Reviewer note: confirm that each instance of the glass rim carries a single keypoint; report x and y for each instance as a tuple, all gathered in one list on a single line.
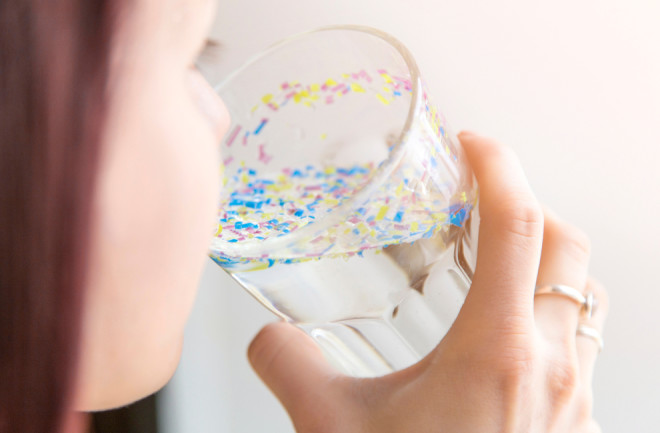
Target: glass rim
[(381, 173)]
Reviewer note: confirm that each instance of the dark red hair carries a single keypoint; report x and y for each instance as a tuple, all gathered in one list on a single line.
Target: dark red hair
[(54, 66)]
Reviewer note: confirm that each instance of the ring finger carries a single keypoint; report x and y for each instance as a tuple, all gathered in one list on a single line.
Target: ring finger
[(564, 260)]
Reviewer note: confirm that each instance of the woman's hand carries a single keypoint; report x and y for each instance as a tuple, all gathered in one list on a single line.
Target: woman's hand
[(510, 363)]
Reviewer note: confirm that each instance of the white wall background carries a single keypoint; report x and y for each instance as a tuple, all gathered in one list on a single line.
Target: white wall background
[(572, 85)]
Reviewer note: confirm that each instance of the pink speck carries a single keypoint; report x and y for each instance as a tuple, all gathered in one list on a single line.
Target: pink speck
[(366, 76), (228, 160), (263, 157), (233, 135)]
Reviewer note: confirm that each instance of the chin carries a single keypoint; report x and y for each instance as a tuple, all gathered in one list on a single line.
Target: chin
[(128, 388)]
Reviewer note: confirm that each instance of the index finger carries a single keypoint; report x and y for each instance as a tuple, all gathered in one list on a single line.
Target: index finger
[(510, 233)]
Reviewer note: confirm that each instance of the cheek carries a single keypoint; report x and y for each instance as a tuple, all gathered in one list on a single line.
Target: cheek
[(155, 209)]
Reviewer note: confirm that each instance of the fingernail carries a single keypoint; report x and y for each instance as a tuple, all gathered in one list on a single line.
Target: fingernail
[(466, 133)]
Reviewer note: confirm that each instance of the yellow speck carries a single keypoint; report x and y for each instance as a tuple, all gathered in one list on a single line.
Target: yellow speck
[(387, 78), (267, 98), (439, 216), (339, 93), (245, 179), (372, 233), (297, 98), (347, 231), (357, 88), (382, 212), (399, 190), (217, 233), (363, 228), (315, 88), (414, 226), (255, 108), (345, 76), (307, 103), (261, 266), (382, 99), (304, 94), (324, 136), (330, 170), (464, 197), (330, 82), (387, 89)]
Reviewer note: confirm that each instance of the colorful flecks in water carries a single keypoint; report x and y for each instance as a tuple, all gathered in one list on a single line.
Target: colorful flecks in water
[(266, 203), (275, 204)]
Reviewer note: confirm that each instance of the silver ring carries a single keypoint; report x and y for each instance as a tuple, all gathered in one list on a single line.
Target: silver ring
[(589, 332), (588, 302)]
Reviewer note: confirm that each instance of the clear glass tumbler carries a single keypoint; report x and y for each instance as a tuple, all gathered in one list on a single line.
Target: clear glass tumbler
[(348, 208)]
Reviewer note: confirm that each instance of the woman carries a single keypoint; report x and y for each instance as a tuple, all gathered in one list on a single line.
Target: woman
[(109, 156)]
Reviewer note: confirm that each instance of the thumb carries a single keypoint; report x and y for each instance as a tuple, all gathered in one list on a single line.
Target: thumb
[(292, 366)]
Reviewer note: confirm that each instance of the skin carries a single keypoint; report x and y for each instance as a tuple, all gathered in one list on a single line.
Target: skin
[(510, 363), (155, 204)]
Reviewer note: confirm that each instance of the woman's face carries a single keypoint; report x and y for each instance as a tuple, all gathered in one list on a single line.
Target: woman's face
[(155, 203)]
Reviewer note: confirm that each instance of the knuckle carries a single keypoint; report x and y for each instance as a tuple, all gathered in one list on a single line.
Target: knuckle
[(562, 380), (522, 215), (571, 239)]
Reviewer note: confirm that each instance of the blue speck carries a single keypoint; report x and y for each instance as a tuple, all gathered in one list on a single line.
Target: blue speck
[(398, 217), (260, 127)]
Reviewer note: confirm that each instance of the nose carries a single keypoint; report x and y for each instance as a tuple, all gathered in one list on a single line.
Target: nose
[(210, 104)]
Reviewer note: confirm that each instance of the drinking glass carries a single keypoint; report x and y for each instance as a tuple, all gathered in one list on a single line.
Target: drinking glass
[(348, 207)]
